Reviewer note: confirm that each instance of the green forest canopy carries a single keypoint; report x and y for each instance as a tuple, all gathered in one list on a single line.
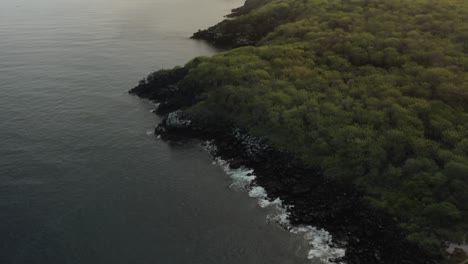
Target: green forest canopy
[(375, 92)]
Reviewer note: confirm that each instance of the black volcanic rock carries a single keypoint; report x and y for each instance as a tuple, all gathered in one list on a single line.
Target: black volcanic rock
[(160, 85), (369, 235)]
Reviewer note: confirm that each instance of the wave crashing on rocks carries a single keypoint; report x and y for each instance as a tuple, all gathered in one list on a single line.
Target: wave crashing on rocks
[(320, 241)]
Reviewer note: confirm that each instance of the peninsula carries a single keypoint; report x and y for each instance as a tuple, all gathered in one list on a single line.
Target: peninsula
[(354, 112)]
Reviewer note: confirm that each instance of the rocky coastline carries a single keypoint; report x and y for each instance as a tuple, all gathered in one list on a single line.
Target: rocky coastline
[(369, 235), (228, 34)]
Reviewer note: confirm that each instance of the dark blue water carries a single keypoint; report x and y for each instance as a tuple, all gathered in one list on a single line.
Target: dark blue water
[(81, 181)]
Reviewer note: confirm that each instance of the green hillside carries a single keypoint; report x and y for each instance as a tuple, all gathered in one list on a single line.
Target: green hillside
[(374, 92)]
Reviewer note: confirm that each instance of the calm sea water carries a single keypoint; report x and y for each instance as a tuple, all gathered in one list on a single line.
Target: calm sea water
[(81, 181)]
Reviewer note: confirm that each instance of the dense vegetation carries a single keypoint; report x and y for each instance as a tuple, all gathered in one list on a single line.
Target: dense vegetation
[(374, 92)]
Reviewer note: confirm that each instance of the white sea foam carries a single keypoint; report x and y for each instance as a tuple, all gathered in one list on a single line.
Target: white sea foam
[(258, 192), (321, 244), (149, 132), (241, 178), (320, 241)]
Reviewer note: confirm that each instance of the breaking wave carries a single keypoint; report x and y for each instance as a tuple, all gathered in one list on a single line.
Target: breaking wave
[(320, 241)]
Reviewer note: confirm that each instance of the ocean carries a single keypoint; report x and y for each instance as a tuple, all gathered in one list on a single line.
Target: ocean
[(83, 179)]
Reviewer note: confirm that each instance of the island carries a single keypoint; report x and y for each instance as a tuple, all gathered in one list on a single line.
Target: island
[(353, 112)]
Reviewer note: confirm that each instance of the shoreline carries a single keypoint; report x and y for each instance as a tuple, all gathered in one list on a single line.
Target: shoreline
[(368, 235), (319, 242)]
